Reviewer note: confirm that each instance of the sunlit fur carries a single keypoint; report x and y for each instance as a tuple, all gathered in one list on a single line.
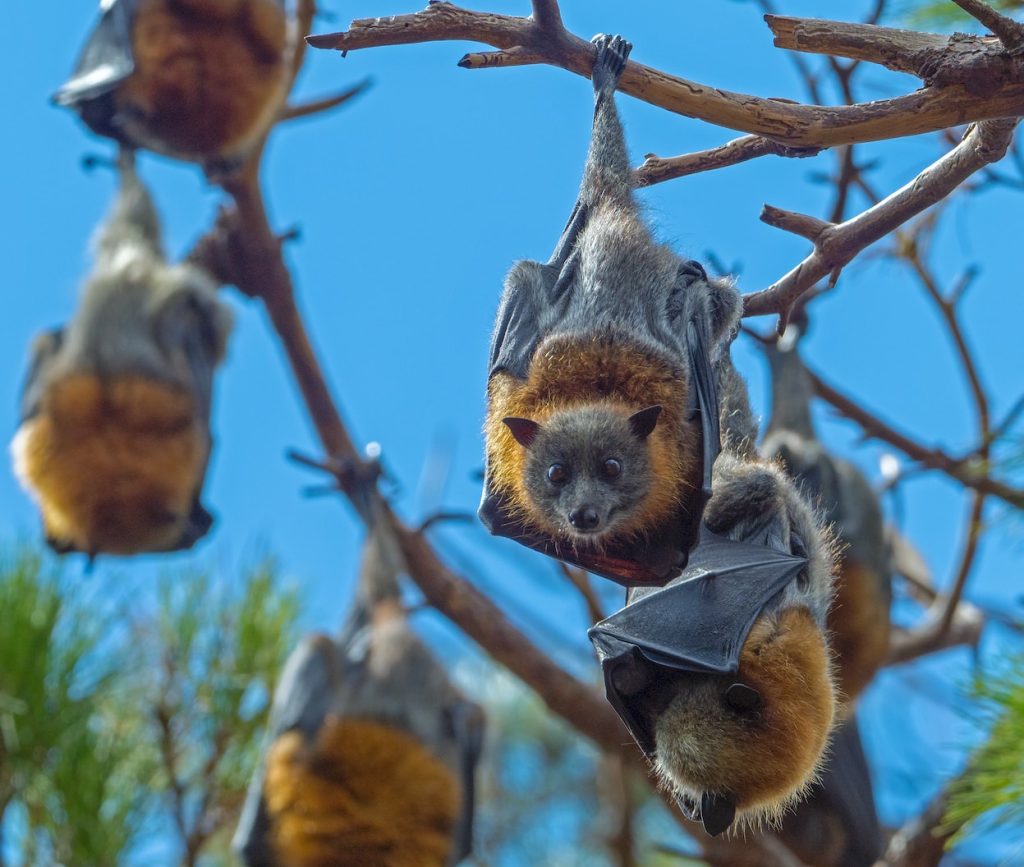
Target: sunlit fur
[(365, 795), (859, 625), (114, 466), (208, 74), (764, 761), (568, 373)]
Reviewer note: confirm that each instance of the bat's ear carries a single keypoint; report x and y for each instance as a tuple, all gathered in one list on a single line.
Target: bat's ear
[(524, 430), (643, 422)]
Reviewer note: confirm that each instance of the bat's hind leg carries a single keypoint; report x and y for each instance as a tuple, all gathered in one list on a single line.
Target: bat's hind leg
[(607, 174)]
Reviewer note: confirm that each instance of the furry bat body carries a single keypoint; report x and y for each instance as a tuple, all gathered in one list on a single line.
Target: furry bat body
[(601, 411), (859, 618), (371, 751), (192, 79), (114, 437)]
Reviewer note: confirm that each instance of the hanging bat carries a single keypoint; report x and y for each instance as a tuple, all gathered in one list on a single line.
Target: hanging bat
[(837, 826), (114, 438), (723, 677), (371, 752), (602, 414), (197, 80), (859, 618)]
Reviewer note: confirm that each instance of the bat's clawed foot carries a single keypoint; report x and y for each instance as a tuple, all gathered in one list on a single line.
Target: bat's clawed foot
[(612, 54)]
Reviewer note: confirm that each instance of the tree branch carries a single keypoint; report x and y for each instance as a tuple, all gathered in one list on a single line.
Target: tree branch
[(965, 94), (983, 143), (655, 169), (327, 103), (967, 472), (1010, 33)]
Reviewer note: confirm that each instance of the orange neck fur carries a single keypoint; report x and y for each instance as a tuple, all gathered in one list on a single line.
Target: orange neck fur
[(572, 372)]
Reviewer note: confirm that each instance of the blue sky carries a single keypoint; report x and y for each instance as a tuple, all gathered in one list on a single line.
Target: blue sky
[(412, 203)]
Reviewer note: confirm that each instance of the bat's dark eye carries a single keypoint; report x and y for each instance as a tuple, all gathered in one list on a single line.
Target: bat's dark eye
[(557, 474), (612, 468)]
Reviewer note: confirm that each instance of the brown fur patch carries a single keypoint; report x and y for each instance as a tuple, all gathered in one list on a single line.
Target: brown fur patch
[(568, 373), (859, 624), (113, 465), (787, 660), (366, 795), (205, 84), (766, 761)]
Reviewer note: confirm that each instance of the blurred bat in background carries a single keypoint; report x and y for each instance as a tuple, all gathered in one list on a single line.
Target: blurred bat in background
[(371, 751), (837, 826), (197, 80), (114, 438), (859, 617)]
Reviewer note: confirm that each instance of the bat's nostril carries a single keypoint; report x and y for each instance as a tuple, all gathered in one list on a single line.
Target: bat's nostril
[(585, 518)]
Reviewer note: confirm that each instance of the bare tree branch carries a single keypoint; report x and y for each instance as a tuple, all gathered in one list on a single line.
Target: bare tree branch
[(327, 103), (835, 246), (1010, 33), (656, 169), (968, 472), (962, 94)]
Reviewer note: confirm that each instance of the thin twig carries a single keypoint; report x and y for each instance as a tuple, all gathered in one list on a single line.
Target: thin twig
[(581, 581), (967, 472), (656, 169), (327, 103)]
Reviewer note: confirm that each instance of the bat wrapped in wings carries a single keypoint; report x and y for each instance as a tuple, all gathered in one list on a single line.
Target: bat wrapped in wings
[(371, 751), (602, 416), (723, 676), (859, 618), (197, 80), (114, 438)]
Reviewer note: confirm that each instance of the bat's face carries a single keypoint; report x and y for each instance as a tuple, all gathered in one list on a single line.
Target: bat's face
[(587, 469), (748, 744)]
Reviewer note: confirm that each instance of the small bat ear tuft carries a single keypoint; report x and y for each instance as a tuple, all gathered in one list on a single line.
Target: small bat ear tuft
[(643, 421), (523, 429)]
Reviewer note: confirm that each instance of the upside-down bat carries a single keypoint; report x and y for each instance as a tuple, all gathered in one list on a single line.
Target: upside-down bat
[(114, 438), (192, 79), (724, 676), (371, 751), (601, 408), (859, 617)]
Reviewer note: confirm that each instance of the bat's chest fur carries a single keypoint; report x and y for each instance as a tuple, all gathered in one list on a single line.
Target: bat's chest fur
[(363, 795), (201, 87), (572, 371), (114, 464)]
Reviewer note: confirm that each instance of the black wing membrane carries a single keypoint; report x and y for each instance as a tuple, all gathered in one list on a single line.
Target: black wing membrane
[(44, 351), (105, 62), (468, 727), (107, 58), (697, 624), (301, 702)]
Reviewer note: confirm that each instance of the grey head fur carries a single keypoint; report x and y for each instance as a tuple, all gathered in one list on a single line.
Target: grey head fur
[(587, 469)]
